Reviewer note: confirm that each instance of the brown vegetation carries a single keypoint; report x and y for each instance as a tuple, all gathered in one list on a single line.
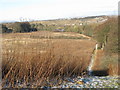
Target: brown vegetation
[(36, 61), (97, 61), (107, 36)]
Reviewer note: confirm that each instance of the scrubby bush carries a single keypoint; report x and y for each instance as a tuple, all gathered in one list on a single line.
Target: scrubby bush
[(18, 27), (88, 29), (21, 27), (5, 29), (37, 26)]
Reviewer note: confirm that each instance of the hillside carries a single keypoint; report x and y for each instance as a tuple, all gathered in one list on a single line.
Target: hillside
[(41, 53), (80, 25), (107, 36)]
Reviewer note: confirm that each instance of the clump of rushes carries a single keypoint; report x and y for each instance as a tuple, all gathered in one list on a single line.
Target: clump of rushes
[(38, 62)]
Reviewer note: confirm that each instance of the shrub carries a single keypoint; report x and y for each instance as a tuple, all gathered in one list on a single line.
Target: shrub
[(17, 27), (21, 27), (5, 29)]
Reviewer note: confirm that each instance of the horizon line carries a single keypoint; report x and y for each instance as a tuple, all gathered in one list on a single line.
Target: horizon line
[(31, 20)]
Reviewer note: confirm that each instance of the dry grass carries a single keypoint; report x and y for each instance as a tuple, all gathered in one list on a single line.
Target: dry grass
[(97, 62), (106, 62), (111, 63), (36, 61), (45, 34)]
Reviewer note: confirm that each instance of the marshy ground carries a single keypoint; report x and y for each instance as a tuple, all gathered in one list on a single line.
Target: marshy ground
[(28, 58), (46, 58)]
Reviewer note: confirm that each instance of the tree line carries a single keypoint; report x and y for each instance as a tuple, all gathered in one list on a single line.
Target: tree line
[(17, 27)]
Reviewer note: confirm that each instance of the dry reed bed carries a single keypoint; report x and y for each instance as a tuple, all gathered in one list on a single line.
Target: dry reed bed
[(41, 60), (46, 34)]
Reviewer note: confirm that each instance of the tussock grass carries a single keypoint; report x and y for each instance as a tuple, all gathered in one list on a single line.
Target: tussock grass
[(40, 60), (111, 64)]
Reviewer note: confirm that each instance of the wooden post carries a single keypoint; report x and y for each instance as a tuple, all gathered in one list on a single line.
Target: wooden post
[(96, 47)]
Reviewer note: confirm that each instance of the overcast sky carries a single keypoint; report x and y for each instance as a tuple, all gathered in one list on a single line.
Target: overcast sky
[(53, 9)]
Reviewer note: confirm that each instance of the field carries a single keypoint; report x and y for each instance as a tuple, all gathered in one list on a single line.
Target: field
[(38, 57), (45, 53)]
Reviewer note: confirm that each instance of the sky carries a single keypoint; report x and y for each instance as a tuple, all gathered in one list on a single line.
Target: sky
[(17, 10)]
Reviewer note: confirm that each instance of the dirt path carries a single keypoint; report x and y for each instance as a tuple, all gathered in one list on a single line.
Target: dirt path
[(97, 61)]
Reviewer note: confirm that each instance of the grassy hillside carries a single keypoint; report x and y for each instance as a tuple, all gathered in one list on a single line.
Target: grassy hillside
[(80, 25), (107, 36), (104, 34)]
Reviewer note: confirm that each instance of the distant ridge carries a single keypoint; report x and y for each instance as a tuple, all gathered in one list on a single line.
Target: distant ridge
[(71, 18)]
